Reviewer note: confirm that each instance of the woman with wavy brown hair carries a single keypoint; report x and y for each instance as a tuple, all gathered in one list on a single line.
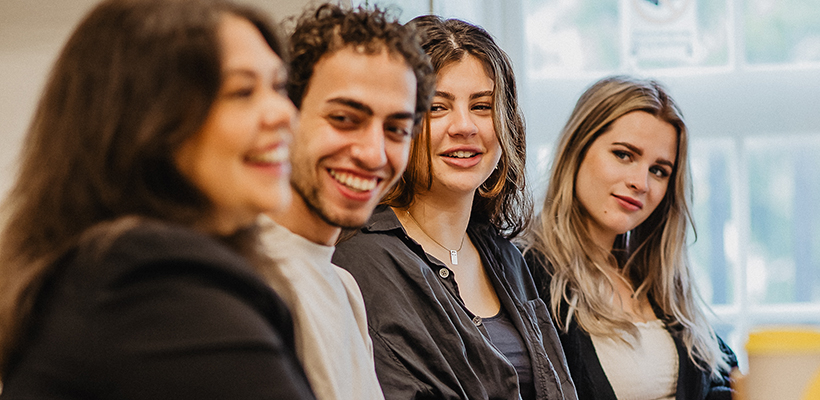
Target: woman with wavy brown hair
[(128, 257), (452, 308), (608, 251)]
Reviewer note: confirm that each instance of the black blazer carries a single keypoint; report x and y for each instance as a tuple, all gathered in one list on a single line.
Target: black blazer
[(590, 380), (163, 312)]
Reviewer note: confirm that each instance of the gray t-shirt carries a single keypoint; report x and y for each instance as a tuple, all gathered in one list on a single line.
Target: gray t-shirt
[(328, 316)]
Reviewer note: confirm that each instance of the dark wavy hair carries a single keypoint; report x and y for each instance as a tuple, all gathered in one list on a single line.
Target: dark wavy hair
[(134, 81), (329, 28), (502, 200)]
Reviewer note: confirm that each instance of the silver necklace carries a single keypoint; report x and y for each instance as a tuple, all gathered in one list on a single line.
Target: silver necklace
[(453, 253)]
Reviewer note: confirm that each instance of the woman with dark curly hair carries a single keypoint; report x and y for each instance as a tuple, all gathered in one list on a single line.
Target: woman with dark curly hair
[(129, 259), (452, 308)]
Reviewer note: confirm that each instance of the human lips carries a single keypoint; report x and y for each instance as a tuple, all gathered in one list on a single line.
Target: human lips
[(461, 157), (629, 202), (275, 155), (461, 154), (355, 182)]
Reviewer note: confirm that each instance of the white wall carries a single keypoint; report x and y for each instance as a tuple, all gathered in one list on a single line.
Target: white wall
[(32, 33)]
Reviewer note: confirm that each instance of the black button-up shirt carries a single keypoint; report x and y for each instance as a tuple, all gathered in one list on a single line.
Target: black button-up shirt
[(427, 344)]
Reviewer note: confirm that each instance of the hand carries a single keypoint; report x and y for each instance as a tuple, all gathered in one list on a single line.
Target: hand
[(738, 385)]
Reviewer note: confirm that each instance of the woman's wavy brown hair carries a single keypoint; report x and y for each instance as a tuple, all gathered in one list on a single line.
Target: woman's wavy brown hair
[(502, 201)]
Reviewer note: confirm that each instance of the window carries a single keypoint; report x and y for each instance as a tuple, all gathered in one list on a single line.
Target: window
[(781, 31), (565, 37)]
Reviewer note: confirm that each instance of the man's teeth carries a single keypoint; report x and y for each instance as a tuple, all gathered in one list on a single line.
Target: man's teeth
[(276, 155), (354, 182), (461, 154)]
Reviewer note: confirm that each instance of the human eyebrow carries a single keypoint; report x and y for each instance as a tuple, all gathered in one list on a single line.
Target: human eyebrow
[(278, 74), (240, 72), (238, 82), (631, 147), (357, 105), (401, 116), (663, 161), (481, 94), (638, 151), (446, 95)]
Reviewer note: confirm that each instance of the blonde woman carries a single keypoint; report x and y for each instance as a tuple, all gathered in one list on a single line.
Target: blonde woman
[(609, 251), (452, 308)]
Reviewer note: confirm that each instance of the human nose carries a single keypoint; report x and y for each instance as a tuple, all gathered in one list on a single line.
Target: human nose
[(462, 124), (278, 112), (638, 179), (368, 149)]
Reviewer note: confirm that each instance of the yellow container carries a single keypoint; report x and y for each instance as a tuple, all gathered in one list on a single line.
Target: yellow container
[(784, 363)]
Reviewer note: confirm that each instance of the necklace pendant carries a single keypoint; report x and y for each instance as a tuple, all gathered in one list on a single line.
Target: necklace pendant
[(454, 257)]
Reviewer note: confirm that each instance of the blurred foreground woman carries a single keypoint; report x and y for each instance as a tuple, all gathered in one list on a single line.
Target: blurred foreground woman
[(129, 257)]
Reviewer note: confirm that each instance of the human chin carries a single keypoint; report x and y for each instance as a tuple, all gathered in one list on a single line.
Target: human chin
[(624, 225), (328, 211), (354, 218), (346, 214), (344, 217)]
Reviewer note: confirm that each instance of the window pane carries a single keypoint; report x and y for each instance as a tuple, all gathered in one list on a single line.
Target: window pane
[(468, 10), (715, 251), (676, 33), (782, 31), (571, 36), (784, 250)]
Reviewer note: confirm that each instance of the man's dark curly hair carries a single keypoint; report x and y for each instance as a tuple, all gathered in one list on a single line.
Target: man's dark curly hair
[(330, 28)]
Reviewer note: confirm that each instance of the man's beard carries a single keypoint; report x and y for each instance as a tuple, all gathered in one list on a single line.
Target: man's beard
[(310, 196)]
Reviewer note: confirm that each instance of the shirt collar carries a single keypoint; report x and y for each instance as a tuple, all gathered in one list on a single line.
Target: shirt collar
[(383, 219)]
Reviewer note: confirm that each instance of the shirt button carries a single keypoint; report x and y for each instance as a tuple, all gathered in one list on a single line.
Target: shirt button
[(444, 273), (477, 320)]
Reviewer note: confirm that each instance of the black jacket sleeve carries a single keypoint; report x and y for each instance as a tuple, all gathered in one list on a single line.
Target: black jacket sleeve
[(720, 389), (162, 314)]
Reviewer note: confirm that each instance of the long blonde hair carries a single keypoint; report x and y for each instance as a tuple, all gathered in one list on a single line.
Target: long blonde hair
[(653, 256)]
